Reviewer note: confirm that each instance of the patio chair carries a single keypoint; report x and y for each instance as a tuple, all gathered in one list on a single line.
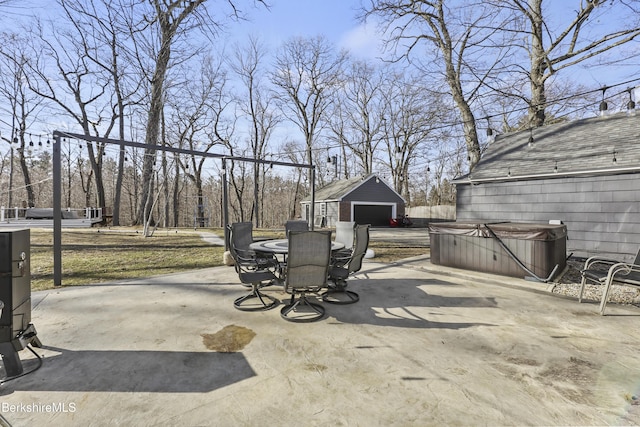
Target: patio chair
[(345, 234), (307, 269), (254, 273), (607, 272), (241, 235), (342, 268), (296, 225)]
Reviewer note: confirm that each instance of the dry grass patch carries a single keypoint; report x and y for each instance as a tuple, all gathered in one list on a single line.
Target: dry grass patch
[(393, 251), (100, 255)]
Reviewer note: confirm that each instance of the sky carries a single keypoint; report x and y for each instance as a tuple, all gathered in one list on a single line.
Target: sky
[(335, 19)]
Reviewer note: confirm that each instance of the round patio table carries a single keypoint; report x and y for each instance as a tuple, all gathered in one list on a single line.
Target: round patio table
[(281, 246)]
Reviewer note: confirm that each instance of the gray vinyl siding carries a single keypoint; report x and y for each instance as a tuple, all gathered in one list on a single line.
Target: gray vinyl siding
[(333, 215), (602, 213)]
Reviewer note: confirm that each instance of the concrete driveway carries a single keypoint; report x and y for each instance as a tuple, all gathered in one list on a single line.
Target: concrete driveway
[(425, 345)]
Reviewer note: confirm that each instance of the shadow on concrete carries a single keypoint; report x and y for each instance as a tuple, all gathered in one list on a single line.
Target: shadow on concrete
[(133, 371), (401, 303)]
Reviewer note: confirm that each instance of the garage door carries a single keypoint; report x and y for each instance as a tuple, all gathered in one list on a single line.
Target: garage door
[(376, 215)]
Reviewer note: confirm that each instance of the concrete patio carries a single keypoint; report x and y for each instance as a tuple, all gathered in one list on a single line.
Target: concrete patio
[(425, 345)]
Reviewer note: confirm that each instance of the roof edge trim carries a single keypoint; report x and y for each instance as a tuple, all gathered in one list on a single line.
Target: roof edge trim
[(613, 171)]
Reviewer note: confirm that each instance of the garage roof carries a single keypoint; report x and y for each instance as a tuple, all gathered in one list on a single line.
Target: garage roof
[(341, 189)]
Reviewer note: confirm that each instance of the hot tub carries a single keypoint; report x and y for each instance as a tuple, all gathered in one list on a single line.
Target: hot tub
[(524, 250)]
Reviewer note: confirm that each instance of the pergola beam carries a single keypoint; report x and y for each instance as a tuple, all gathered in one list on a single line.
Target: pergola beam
[(57, 184)]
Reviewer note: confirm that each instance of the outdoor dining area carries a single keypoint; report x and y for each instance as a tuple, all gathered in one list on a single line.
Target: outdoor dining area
[(307, 264), (463, 347)]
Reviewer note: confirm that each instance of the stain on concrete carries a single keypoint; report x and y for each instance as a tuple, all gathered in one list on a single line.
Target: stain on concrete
[(229, 339), (315, 367)]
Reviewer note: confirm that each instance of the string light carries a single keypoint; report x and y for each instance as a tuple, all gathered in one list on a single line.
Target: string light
[(631, 105), (603, 104), (490, 137), (603, 109)]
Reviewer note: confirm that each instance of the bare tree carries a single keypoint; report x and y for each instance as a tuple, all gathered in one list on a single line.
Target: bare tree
[(467, 50), (22, 104), (358, 116), (169, 18), (294, 153), (413, 120), (198, 117), (102, 30), (172, 20), (78, 90), (578, 40), (256, 104), (307, 73)]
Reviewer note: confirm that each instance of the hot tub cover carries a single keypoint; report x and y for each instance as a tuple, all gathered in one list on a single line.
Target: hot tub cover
[(504, 230)]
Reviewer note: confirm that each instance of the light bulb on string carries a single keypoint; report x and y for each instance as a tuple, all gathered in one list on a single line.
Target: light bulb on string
[(603, 104), (631, 105)]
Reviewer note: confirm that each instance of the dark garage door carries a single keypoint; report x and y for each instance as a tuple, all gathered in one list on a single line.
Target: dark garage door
[(376, 215)]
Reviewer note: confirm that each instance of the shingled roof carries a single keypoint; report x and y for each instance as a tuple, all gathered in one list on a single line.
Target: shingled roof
[(599, 145), (338, 190)]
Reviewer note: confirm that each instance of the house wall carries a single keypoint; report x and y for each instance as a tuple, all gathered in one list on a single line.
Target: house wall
[(332, 214), (345, 211), (326, 213), (602, 213)]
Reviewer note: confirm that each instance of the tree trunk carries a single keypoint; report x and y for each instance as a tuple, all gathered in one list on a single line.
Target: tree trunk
[(538, 68), (31, 199), (153, 123)]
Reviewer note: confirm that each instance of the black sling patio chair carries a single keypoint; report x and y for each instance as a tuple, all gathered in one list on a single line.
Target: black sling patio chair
[(343, 267), (296, 225), (241, 235), (307, 269), (254, 272)]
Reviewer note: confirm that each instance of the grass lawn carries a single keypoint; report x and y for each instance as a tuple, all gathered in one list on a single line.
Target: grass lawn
[(98, 255)]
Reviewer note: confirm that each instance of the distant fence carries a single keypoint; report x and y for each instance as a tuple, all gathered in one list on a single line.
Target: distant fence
[(421, 216)]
